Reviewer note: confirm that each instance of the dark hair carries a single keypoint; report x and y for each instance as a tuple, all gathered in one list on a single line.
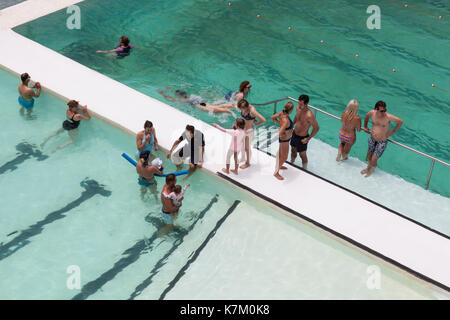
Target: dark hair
[(304, 98), (181, 93), (380, 104), (240, 123), (243, 85), (148, 124), (177, 189), (125, 40), (242, 104), (144, 155), (170, 178), (72, 103), (24, 77), (190, 128)]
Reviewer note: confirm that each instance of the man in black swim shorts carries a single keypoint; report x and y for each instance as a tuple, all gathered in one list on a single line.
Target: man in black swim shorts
[(304, 119)]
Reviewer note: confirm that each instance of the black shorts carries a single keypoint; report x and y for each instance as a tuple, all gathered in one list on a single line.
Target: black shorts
[(296, 141)]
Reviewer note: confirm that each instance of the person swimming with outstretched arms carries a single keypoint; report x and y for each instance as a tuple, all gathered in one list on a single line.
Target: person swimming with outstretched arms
[(195, 101), (123, 49)]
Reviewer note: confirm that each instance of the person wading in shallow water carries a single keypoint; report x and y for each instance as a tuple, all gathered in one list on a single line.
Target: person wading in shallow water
[(168, 209), (27, 94), (71, 123)]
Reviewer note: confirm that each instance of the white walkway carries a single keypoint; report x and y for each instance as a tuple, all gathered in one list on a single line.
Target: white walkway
[(365, 224)]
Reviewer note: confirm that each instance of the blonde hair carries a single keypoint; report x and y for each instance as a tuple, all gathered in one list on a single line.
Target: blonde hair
[(288, 107), (351, 111)]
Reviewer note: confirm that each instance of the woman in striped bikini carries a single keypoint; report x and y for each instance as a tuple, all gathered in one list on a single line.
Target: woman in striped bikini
[(350, 123)]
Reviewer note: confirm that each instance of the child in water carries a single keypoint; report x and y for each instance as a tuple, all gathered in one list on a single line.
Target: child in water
[(177, 196)]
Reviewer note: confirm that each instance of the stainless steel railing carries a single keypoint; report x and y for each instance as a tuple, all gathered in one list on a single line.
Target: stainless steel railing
[(338, 118)]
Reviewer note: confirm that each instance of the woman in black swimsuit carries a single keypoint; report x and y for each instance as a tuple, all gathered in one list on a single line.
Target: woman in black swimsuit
[(252, 118), (284, 136), (71, 123)]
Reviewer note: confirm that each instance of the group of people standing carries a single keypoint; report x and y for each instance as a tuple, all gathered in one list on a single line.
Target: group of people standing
[(292, 133), (148, 166), (296, 132)]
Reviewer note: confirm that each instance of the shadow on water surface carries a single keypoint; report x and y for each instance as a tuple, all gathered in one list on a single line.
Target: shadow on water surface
[(91, 187), (25, 151), (146, 245)]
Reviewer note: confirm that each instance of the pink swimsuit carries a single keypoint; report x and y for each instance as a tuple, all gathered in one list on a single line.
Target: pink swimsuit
[(237, 143)]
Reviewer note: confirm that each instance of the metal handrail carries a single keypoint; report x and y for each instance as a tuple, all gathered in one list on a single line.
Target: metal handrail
[(338, 118)]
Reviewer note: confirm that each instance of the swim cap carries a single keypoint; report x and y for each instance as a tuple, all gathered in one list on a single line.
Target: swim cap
[(157, 163)]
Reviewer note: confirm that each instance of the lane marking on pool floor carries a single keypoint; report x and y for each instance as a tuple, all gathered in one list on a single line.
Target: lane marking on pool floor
[(337, 234), (91, 187), (144, 284), (197, 252), (133, 253)]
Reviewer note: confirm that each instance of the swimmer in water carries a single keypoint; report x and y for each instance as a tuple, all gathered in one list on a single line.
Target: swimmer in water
[(71, 124), (194, 100), (124, 48), (234, 97), (27, 94)]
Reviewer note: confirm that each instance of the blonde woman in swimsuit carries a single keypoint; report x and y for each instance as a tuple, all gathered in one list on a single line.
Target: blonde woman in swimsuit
[(350, 123)]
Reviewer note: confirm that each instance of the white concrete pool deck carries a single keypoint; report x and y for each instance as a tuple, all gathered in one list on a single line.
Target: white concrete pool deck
[(396, 239)]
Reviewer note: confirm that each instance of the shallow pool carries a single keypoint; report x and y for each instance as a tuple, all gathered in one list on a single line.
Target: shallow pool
[(81, 207)]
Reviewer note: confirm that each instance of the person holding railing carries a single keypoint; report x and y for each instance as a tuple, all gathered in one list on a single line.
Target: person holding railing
[(379, 135), (350, 123), (304, 119), (284, 136)]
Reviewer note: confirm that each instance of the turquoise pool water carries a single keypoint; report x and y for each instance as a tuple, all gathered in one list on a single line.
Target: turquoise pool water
[(207, 48), (81, 207), (8, 3)]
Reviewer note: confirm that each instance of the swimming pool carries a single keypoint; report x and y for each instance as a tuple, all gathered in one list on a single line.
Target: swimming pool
[(81, 207), (389, 190), (209, 54), (8, 3)]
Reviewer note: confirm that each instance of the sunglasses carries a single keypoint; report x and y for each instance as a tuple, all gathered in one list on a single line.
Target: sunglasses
[(248, 87), (382, 110)]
